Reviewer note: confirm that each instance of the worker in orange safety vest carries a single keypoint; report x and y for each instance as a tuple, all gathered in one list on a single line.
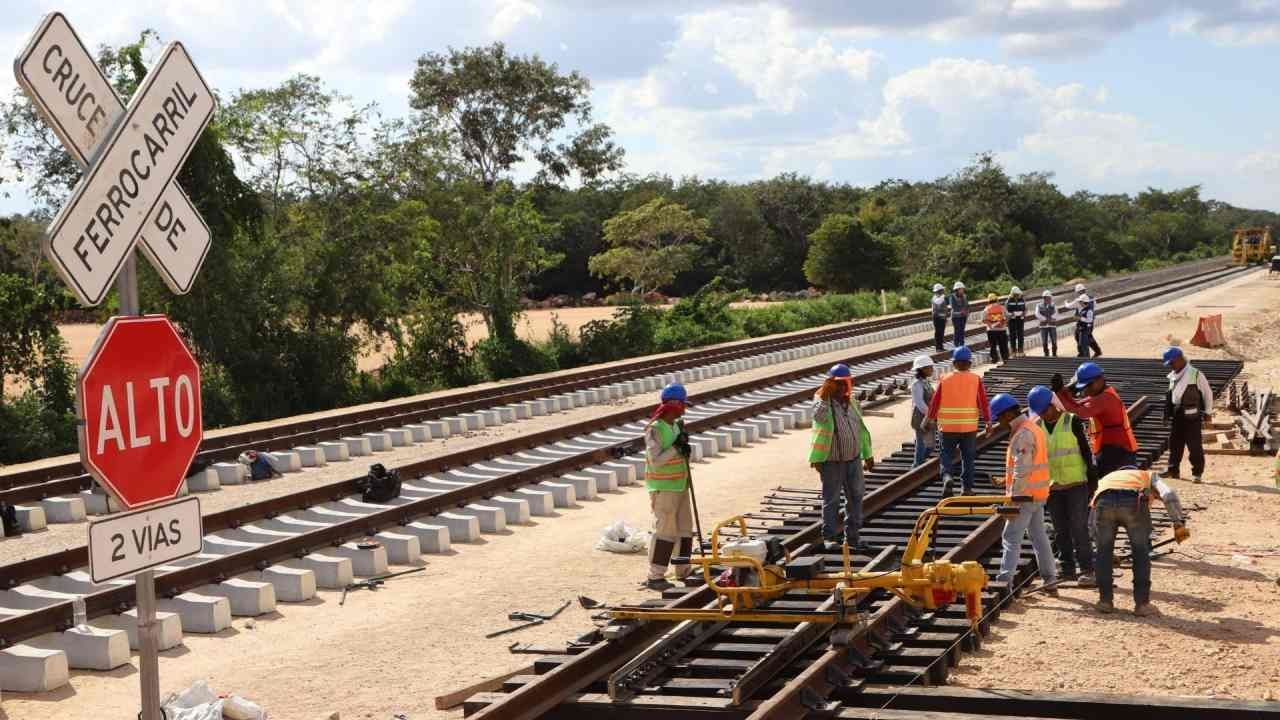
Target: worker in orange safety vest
[(957, 405), (1026, 476)]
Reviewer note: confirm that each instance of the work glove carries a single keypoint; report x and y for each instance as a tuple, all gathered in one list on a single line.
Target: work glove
[(683, 448), (1056, 383), (683, 438), (1181, 533)]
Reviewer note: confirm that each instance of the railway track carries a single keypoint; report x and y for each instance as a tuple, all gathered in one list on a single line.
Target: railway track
[(438, 417), (283, 548), (894, 664)]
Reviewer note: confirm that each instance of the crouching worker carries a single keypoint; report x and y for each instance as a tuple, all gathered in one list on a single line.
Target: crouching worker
[(1123, 500), (666, 476), (1026, 474), (840, 449)]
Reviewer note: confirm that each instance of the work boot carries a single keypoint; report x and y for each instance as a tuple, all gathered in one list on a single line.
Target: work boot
[(1086, 580), (863, 548), (1196, 480), (1145, 609), (834, 547), (658, 584), (1104, 606), (946, 486)]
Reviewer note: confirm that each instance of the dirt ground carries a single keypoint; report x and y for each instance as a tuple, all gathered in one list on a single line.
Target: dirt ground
[(1219, 628), (394, 650)]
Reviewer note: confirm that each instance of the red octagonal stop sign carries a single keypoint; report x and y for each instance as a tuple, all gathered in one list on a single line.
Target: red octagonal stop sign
[(139, 400)]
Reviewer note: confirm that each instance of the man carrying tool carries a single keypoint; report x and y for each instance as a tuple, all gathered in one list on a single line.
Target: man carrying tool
[(1123, 500), (666, 476), (1026, 473), (956, 407), (1070, 469), (839, 450), (1188, 405), (1085, 308), (1111, 436)]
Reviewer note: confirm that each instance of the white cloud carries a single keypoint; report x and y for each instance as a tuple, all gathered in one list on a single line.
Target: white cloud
[(510, 15)]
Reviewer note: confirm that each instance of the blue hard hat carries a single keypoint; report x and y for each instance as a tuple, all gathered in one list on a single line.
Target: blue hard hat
[(1087, 373), (962, 354), (1039, 399), (1171, 354), (839, 370), (1002, 403), (674, 391)]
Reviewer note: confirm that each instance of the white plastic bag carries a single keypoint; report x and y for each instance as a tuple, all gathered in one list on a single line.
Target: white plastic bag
[(237, 708), (197, 702), (622, 538)]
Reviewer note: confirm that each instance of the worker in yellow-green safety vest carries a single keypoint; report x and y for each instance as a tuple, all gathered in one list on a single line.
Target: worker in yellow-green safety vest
[(1070, 469), (666, 477), (1026, 478), (839, 451)]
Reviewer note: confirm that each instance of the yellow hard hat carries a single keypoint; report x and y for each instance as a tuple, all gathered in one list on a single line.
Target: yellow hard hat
[(992, 297)]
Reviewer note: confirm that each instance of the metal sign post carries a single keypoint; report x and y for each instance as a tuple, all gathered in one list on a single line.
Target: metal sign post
[(127, 198)]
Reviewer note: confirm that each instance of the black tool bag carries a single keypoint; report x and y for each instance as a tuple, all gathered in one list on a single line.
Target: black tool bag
[(9, 520), (381, 485)]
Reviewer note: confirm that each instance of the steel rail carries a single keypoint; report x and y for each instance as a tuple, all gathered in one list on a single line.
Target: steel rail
[(289, 433)]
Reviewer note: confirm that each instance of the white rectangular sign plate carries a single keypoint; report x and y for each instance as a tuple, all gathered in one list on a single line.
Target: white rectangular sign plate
[(132, 542), (123, 194)]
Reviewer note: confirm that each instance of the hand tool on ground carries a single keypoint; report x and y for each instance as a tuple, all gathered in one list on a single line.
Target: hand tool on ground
[(375, 582), (514, 628), (525, 615)]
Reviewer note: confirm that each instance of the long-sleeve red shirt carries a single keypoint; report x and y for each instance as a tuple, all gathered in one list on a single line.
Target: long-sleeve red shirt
[(984, 409), (1109, 409)]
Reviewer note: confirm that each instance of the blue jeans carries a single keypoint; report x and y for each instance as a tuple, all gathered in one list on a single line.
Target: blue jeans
[(1030, 519), (966, 442), (924, 446), (958, 321), (841, 478), (1116, 509)]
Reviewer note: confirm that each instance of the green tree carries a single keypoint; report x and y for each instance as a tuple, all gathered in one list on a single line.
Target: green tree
[(650, 245), (844, 257), (499, 110)]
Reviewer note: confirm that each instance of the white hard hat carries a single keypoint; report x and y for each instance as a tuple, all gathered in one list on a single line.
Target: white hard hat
[(1079, 287), (1015, 290), (1047, 293), (937, 287), (958, 286), (922, 362)]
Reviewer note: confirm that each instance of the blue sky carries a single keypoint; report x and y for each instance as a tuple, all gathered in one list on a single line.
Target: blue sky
[(1109, 95)]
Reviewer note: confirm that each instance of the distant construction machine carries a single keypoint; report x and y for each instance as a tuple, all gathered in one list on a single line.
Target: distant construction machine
[(1252, 245)]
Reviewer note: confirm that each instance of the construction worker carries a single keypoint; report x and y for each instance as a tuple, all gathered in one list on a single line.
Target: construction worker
[(1123, 500), (1188, 404), (1026, 474), (1016, 307), (921, 394), (959, 303), (1111, 436), (666, 476), (956, 408), (1046, 314), (996, 321), (1070, 468), (840, 449), (940, 310), (1085, 308)]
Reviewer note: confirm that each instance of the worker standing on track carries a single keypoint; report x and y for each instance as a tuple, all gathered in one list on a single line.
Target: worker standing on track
[(959, 303), (1070, 469), (666, 476), (921, 394), (996, 321), (1085, 308), (1026, 473), (1123, 500), (1046, 314), (1016, 307), (839, 450), (1188, 404), (940, 310), (956, 407), (1111, 436)]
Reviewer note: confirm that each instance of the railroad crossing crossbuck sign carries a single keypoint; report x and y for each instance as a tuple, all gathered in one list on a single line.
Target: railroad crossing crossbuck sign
[(130, 156)]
